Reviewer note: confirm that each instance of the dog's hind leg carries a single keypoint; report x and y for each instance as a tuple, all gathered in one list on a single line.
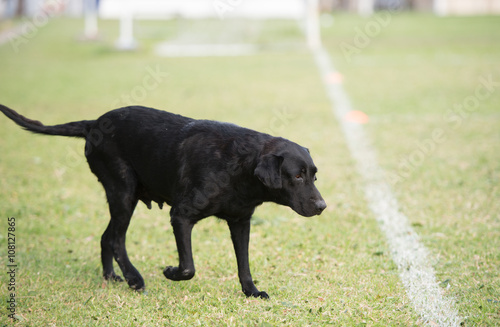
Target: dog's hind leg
[(107, 255), (120, 185), (121, 207)]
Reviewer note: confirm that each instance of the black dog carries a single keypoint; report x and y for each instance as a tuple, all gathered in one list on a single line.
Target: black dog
[(200, 168)]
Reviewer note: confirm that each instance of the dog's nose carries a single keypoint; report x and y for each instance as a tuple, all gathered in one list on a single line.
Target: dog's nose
[(320, 206)]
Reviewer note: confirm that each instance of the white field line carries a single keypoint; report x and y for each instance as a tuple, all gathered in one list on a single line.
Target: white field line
[(411, 257)]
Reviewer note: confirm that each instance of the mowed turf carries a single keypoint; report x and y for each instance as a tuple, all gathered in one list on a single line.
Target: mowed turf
[(333, 269), (431, 88)]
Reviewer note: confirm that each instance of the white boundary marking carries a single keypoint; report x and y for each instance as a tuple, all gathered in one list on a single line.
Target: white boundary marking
[(408, 253)]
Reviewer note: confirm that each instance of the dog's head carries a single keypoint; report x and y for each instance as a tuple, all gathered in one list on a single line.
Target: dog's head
[(288, 171)]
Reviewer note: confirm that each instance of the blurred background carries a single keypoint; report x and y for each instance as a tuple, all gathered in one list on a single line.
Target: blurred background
[(197, 8), (424, 76)]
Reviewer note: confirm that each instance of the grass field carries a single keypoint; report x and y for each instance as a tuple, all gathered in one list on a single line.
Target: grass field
[(415, 82), (333, 269)]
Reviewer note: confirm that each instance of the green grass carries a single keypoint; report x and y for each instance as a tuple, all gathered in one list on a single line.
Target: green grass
[(333, 269), (410, 80)]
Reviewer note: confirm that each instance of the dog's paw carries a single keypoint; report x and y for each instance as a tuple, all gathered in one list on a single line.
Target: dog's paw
[(113, 277), (136, 283), (173, 273), (262, 295), (257, 294)]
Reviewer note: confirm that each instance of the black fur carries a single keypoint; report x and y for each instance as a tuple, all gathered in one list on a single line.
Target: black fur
[(200, 168)]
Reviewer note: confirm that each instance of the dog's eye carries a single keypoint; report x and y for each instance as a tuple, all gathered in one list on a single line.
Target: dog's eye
[(300, 176)]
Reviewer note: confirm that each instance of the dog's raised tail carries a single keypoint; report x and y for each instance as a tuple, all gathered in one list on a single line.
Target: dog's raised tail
[(75, 129)]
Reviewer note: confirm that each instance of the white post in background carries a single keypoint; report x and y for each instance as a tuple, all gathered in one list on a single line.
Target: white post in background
[(126, 39), (90, 31), (440, 7), (312, 25), (366, 7)]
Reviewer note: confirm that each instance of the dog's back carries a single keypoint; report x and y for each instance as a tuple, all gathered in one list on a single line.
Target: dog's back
[(176, 158)]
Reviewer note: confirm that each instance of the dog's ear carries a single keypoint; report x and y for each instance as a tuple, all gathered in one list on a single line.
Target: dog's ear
[(269, 170)]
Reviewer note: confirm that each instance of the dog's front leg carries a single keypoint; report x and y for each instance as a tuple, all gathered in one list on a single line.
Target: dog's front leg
[(182, 232), (240, 234)]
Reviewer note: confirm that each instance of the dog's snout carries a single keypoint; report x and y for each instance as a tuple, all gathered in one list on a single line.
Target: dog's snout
[(320, 206)]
